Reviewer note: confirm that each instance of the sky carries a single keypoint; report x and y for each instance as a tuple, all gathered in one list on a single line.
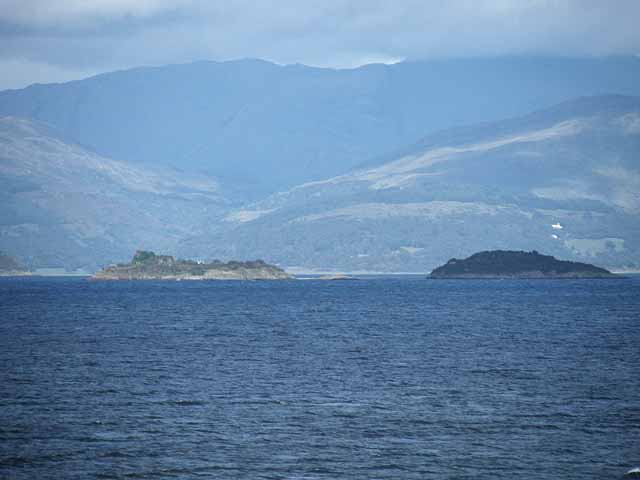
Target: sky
[(58, 40)]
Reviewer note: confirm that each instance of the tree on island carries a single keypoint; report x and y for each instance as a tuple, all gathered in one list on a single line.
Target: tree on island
[(143, 256)]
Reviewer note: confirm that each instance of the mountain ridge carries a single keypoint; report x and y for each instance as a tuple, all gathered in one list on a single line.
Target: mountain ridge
[(305, 122), (564, 183)]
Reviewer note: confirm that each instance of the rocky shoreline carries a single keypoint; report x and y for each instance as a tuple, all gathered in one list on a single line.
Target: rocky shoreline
[(149, 266), (15, 273)]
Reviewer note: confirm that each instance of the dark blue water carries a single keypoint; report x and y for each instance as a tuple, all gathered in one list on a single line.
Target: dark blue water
[(387, 378)]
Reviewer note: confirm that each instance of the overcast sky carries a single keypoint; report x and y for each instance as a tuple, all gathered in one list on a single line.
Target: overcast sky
[(58, 40)]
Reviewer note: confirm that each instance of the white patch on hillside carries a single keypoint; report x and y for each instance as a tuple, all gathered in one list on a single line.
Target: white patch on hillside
[(427, 210), (400, 171), (437, 155), (244, 216), (28, 150), (399, 181)]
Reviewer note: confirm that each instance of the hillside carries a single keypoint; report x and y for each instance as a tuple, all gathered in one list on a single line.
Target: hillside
[(279, 126), (63, 205), (565, 180)]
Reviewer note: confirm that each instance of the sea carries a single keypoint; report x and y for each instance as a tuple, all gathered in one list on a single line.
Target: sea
[(379, 378)]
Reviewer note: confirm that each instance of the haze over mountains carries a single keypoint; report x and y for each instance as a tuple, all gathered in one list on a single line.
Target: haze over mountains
[(277, 126), (326, 169)]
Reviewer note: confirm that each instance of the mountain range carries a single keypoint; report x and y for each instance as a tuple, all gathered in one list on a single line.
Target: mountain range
[(564, 180), (272, 127), (353, 170)]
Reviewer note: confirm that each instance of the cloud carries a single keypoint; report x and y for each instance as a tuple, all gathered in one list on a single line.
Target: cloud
[(76, 12), (99, 35)]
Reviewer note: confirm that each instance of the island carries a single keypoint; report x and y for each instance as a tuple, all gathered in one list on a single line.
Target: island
[(147, 265), (633, 473), (9, 267), (516, 264)]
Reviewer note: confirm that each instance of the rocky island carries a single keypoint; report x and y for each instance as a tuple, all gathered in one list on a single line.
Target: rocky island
[(149, 266), (10, 268), (517, 264)]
